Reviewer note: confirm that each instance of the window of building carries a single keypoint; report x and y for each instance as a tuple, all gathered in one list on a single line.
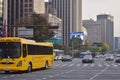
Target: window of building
[(26, 5), (30, 10), (26, 0), (30, 5), (30, 0), (26, 10)]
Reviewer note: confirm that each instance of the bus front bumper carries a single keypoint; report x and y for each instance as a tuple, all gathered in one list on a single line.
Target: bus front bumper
[(11, 69)]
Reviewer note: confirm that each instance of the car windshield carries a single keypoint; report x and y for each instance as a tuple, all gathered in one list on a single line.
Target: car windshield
[(108, 55), (9, 50), (87, 56), (66, 56)]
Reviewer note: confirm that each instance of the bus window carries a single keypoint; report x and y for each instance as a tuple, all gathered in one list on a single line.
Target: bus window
[(10, 49), (24, 50)]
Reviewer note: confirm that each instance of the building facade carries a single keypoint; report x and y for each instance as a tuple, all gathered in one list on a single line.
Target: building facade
[(19, 10), (117, 43), (107, 29), (101, 30), (93, 30), (1, 17), (1, 13), (70, 11)]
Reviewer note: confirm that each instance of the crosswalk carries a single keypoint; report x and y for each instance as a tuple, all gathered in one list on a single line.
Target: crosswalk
[(67, 64)]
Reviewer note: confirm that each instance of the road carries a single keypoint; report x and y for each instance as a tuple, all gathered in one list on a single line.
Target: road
[(75, 70)]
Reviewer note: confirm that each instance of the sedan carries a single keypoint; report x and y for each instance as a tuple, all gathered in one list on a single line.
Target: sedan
[(109, 57), (117, 59), (87, 59), (66, 58)]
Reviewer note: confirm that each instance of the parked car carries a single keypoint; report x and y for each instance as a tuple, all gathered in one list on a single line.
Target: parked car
[(117, 59), (55, 58), (66, 58), (87, 59), (109, 57), (99, 56)]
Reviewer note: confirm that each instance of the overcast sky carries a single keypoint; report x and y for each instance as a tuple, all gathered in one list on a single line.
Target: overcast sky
[(91, 8)]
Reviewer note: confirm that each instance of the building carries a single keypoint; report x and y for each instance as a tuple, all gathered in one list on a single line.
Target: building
[(55, 24), (117, 43), (107, 29), (70, 11), (1, 13), (93, 30), (1, 17), (101, 30), (19, 10)]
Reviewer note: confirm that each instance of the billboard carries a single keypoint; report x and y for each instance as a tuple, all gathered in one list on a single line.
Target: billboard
[(25, 32), (78, 35)]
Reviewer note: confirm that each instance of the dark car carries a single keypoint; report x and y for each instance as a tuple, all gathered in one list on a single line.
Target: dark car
[(87, 59), (66, 58), (117, 59)]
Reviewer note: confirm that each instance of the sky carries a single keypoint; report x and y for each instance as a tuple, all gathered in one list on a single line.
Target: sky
[(91, 8)]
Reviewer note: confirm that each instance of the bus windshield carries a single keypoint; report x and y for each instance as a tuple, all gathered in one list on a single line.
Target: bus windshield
[(9, 49)]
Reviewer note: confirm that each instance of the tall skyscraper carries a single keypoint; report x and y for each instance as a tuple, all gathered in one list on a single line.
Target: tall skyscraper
[(94, 30), (22, 9), (70, 11), (1, 17), (107, 29)]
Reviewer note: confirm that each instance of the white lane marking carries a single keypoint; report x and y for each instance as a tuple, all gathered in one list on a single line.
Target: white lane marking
[(106, 64), (78, 65), (92, 65), (115, 65), (85, 65), (57, 65), (99, 73), (71, 65), (99, 65), (44, 78), (64, 65)]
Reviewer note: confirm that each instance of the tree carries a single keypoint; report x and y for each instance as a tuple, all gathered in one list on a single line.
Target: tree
[(86, 46), (40, 25), (105, 47), (101, 48)]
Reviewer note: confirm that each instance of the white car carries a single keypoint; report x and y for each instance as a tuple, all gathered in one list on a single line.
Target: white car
[(109, 57)]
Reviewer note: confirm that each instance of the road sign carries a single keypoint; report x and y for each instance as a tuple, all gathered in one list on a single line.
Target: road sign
[(55, 41)]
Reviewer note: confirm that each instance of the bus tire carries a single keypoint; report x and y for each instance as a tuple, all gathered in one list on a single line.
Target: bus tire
[(29, 67), (46, 65)]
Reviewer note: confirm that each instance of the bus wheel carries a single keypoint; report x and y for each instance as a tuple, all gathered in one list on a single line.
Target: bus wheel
[(46, 65), (29, 67)]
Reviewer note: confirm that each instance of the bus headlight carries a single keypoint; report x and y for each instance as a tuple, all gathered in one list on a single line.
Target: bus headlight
[(19, 64)]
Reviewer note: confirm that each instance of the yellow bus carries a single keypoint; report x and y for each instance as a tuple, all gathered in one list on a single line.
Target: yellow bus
[(19, 54)]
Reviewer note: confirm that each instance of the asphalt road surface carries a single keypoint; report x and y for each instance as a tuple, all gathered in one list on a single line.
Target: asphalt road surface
[(75, 70)]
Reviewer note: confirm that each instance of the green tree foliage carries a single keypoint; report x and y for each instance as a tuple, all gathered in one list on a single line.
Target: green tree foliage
[(40, 26), (78, 45), (103, 48), (86, 46), (41, 29)]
